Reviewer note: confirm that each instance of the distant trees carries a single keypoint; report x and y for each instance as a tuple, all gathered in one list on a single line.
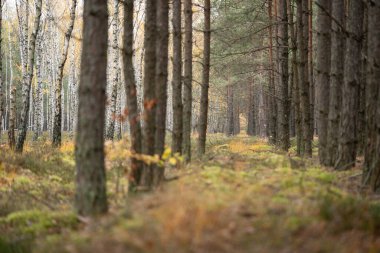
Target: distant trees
[(91, 197)]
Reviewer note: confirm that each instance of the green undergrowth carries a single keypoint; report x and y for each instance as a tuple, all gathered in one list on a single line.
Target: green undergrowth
[(243, 196)]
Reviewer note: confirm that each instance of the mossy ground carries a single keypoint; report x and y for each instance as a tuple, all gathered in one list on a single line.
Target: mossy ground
[(243, 196)]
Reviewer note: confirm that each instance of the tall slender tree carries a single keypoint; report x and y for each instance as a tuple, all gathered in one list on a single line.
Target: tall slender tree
[(150, 99), (115, 72), (323, 58), (336, 80), (131, 93), (284, 108), (371, 175), (351, 83), (177, 78), (188, 79), (91, 198), (27, 80), (57, 127), (203, 114), (161, 80)]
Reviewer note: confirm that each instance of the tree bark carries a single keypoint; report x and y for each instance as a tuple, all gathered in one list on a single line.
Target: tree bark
[(251, 126), (162, 48), (203, 114), (57, 127), (115, 72), (27, 80), (91, 198), (187, 82), (150, 99), (131, 92), (272, 122), (323, 61), (351, 84), (284, 108), (230, 110), (177, 79), (303, 80), (336, 80), (371, 173)]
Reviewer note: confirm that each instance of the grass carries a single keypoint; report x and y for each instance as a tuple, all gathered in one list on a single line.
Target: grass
[(243, 196)]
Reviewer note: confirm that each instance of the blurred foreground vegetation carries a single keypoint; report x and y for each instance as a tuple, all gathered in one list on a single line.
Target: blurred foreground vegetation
[(243, 196)]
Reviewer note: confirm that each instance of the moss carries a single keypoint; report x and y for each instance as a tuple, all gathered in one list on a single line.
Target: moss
[(36, 222)]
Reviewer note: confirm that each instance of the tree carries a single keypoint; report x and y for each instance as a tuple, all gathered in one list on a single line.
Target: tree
[(177, 78), (284, 109), (336, 80), (57, 134), (150, 99), (203, 114), (372, 160), (323, 58), (187, 82), (272, 115), (131, 92), (91, 198), (161, 80), (27, 80), (351, 84), (303, 80), (115, 73)]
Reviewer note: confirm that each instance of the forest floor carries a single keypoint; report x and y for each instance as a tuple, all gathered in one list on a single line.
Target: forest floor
[(243, 196)]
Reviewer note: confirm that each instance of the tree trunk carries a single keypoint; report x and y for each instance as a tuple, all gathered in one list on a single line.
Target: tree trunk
[(115, 73), (371, 175), (131, 93), (28, 80), (57, 131), (336, 80), (91, 198), (303, 80), (203, 114), (12, 100), (38, 103), (323, 75), (230, 110), (187, 82), (351, 85), (150, 99), (272, 122), (284, 109), (251, 126), (177, 79), (162, 48)]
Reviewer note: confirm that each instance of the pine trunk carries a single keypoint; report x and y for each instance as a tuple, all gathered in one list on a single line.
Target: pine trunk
[(203, 114), (162, 48), (150, 99), (284, 108), (91, 198), (177, 79), (187, 82), (351, 84), (371, 173), (323, 59), (336, 80)]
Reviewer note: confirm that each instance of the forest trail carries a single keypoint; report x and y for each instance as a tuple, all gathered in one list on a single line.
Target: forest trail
[(244, 196)]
